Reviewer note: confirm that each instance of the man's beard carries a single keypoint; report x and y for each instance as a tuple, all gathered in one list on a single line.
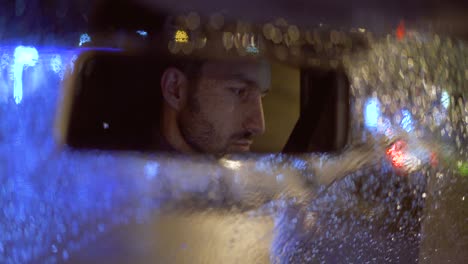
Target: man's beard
[(201, 135), (197, 131)]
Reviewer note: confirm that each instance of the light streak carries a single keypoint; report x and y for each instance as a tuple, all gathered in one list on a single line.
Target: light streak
[(24, 57)]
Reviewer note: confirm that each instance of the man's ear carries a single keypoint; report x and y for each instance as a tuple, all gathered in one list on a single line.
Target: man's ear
[(174, 87)]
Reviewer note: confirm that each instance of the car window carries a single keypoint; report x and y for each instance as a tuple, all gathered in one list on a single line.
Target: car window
[(285, 91)]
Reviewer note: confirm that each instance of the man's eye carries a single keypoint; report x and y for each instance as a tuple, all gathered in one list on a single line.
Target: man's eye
[(239, 91)]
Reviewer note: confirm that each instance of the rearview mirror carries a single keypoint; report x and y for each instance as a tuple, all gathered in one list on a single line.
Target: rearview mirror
[(114, 101)]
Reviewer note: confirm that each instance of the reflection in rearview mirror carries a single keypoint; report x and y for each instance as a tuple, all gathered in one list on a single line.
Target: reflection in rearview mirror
[(121, 101)]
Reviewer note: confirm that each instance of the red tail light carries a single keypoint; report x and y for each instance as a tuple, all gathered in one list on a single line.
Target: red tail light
[(396, 153)]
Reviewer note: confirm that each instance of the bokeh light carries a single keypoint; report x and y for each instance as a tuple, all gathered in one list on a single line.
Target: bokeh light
[(181, 36), (407, 122), (84, 38), (24, 57), (372, 113), (445, 99)]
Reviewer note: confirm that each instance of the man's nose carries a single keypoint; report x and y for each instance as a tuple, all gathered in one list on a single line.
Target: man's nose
[(255, 122)]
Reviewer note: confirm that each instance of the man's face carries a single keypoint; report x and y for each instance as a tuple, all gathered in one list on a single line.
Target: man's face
[(224, 108)]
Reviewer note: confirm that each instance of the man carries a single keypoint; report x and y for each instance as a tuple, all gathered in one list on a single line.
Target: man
[(213, 107)]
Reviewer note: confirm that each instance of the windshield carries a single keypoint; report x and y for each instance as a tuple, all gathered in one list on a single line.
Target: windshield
[(396, 193)]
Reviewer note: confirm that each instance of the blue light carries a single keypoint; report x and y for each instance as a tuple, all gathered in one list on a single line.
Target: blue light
[(65, 255), (151, 170), (24, 57), (14, 61), (142, 33), (4, 61), (445, 99), (299, 164), (54, 248), (407, 121), (84, 38), (372, 113), (252, 49), (72, 62), (56, 63)]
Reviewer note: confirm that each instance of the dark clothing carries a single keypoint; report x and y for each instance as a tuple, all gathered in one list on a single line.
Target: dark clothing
[(160, 144)]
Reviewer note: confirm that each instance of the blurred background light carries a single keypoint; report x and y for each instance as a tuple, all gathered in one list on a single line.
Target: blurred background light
[(396, 153), (72, 62), (181, 36), (231, 164), (151, 170), (445, 99), (401, 31), (56, 63), (84, 38), (463, 168), (4, 61), (372, 113), (407, 121), (142, 33), (252, 49), (24, 57)]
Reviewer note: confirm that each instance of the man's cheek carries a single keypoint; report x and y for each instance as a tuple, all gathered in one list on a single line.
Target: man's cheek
[(225, 105)]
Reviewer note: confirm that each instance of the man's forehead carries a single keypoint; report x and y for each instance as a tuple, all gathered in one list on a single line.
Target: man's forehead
[(257, 72)]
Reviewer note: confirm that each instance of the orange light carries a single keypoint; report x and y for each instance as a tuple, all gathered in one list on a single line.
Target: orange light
[(400, 31), (434, 160)]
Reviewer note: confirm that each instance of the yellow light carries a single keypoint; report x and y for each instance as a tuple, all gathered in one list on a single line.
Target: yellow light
[(181, 36), (231, 164), (362, 30)]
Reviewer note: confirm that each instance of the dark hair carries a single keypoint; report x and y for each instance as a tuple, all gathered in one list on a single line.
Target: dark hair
[(189, 66)]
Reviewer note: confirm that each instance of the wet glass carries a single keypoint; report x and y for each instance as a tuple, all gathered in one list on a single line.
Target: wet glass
[(397, 193)]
